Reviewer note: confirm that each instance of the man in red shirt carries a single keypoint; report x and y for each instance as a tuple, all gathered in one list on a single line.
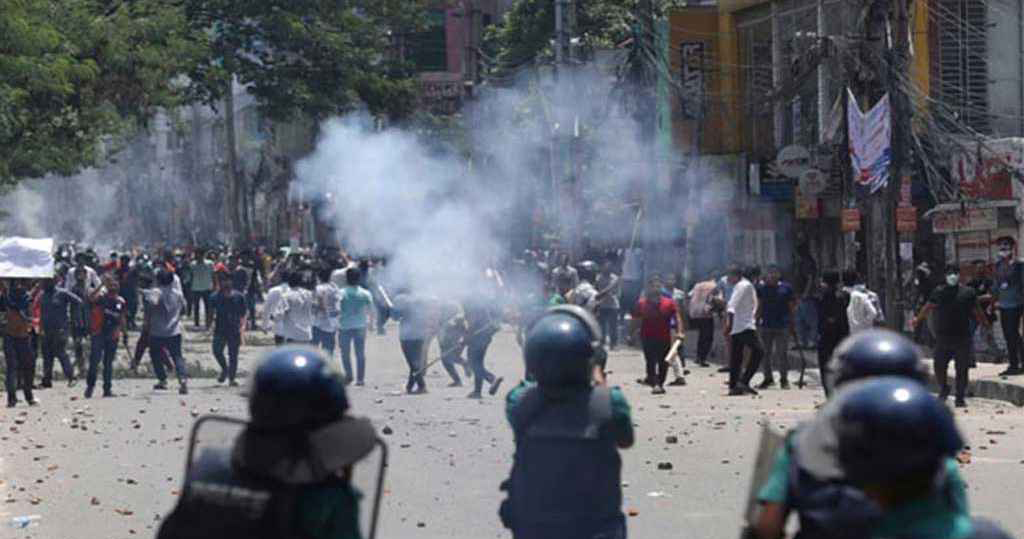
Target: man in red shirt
[(652, 317)]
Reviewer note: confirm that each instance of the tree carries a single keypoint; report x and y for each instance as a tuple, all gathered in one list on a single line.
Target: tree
[(73, 72), (310, 58), (525, 35)]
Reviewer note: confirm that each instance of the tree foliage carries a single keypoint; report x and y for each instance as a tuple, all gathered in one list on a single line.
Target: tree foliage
[(75, 71), (526, 33), (315, 57)]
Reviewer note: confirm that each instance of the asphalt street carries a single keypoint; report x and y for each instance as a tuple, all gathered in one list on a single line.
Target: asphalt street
[(111, 468)]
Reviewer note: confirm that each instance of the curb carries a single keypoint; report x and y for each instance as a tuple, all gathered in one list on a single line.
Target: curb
[(986, 388)]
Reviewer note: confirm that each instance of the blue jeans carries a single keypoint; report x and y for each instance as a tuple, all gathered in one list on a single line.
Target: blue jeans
[(325, 340), (346, 338), (104, 348), (232, 341), (807, 322), (476, 349)]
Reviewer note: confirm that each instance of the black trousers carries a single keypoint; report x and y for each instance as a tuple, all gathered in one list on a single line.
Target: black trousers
[(739, 342), (476, 350), (654, 356), (826, 345), (18, 359), (55, 345), (1010, 321), (204, 297), (413, 351), (705, 336), (961, 351)]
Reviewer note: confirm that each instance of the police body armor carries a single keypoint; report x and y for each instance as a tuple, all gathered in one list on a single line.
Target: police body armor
[(831, 508), (565, 479), (827, 508), (218, 502)]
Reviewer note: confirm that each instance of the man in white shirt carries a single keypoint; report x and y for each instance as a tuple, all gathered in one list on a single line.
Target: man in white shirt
[(741, 330), (863, 310), (290, 307), (326, 312)]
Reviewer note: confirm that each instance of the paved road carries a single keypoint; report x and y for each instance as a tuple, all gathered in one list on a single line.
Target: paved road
[(119, 474)]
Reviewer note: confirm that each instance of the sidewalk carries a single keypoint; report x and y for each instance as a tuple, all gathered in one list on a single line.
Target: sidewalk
[(985, 382)]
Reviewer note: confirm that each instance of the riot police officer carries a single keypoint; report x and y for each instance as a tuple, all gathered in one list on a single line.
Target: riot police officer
[(895, 442), (569, 426), (288, 474), (806, 477)]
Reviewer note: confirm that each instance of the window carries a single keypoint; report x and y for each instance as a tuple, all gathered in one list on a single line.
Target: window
[(960, 66), (428, 50)]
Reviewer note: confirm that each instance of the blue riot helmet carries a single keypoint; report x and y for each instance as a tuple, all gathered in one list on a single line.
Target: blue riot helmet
[(891, 427), (562, 347), (875, 352), (294, 388)]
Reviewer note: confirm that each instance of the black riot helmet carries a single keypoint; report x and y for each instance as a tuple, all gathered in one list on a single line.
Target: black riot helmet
[(294, 389), (891, 427), (562, 347), (875, 352)]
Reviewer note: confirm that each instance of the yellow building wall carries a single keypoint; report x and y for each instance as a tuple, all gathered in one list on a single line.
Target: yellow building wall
[(722, 129)]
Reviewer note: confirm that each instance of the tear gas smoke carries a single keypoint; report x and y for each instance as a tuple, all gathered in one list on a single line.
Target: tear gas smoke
[(442, 218)]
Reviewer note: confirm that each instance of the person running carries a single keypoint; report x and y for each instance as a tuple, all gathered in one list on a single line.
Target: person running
[(413, 314), (483, 320)]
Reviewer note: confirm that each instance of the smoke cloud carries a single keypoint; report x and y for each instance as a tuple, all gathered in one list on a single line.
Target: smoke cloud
[(442, 215)]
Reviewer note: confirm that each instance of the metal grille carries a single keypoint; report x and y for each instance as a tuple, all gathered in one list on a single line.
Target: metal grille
[(962, 65)]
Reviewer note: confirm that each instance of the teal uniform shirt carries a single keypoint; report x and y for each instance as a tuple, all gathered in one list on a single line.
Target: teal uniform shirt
[(935, 516), (329, 512)]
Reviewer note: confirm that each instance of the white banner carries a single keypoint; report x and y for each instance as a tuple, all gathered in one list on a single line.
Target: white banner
[(26, 258), (870, 143)]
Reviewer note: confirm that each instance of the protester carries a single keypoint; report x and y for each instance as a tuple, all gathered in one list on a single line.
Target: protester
[(864, 309), (701, 316), (955, 306), (326, 313), (652, 325), (20, 372), (413, 312), (108, 313), (202, 288), (165, 304), (356, 306), (483, 320), (741, 330), (833, 324), (608, 290), (229, 311), (1009, 280), (55, 316), (776, 307)]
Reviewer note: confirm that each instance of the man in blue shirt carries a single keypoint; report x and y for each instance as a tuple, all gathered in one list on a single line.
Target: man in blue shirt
[(230, 309), (776, 304), (356, 312)]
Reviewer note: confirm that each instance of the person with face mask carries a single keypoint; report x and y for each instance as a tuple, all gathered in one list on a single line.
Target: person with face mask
[(954, 305), (1009, 292)]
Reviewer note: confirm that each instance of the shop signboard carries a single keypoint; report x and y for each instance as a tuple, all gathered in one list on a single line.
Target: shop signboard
[(850, 220), (967, 220), (906, 219)]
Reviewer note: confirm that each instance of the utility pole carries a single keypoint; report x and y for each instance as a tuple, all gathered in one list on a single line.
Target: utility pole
[(644, 83), (881, 235)]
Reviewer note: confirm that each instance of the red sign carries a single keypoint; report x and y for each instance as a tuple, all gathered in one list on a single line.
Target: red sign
[(906, 219), (850, 220)]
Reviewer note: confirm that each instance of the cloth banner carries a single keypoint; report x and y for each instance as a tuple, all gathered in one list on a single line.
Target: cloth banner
[(870, 143), (26, 258)]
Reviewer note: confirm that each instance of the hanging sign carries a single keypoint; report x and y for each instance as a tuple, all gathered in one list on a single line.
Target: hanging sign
[(850, 220), (906, 219)]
